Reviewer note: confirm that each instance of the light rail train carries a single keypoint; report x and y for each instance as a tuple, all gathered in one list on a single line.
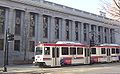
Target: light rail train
[(68, 53)]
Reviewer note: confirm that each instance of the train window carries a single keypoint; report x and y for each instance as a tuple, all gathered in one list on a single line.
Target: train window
[(113, 50), (79, 50), (117, 51), (64, 50), (108, 51), (38, 51), (47, 50), (102, 50), (72, 51), (93, 50)]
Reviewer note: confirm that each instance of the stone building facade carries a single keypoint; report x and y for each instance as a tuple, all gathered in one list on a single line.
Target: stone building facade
[(34, 21)]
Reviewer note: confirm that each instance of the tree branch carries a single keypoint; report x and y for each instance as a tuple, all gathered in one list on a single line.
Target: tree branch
[(116, 4)]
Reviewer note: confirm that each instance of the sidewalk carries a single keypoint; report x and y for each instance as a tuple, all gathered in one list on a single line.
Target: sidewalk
[(22, 69)]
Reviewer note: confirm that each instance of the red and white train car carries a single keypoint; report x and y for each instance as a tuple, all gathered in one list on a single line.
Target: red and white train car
[(67, 53), (61, 54), (105, 53)]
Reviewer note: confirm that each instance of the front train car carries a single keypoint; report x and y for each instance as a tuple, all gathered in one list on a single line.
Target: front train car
[(47, 54), (61, 53)]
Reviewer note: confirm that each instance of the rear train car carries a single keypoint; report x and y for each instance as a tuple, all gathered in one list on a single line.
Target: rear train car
[(105, 53)]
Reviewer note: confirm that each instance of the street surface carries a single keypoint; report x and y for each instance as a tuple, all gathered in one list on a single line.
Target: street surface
[(111, 68)]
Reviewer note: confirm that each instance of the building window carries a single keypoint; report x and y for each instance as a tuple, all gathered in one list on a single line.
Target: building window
[(102, 50), (79, 51), (32, 24), (57, 20), (99, 38), (112, 35), (117, 51), (93, 50), (113, 51), (72, 51), (47, 50), (18, 22), (85, 29), (2, 19), (85, 37), (85, 26), (65, 51), (45, 26), (17, 45), (106, 33), (105, 39), (32, 46), (76, 30), (93, 28), (99, 28), (100, 32), (67, 29), (1, 44)]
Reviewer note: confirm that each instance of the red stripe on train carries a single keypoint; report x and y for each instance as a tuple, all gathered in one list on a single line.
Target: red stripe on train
[(46, 58)]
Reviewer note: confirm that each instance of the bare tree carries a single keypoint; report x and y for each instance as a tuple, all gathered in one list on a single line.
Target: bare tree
[(112, 8)]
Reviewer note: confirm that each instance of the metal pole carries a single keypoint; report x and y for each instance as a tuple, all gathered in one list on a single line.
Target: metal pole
[(5, 54), (7, 47)]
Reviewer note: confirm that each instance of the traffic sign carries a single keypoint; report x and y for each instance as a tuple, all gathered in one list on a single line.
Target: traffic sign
[(10, 37)]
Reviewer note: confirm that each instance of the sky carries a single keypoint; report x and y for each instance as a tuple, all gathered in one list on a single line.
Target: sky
[(92, 6)]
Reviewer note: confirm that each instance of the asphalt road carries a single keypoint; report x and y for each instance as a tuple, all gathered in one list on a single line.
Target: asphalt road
[(111, 68)]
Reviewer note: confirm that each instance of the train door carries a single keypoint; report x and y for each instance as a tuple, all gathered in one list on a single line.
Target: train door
[(86, 56), (55, 56), (108, 55)]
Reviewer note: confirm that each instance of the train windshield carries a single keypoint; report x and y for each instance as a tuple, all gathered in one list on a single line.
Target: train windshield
[(39, 51)]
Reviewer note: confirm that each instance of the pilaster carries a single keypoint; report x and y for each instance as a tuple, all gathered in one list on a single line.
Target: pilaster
[(52, 30), (63, 30), (73, 31)]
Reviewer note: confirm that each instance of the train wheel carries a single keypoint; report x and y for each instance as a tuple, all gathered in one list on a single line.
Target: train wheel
[(41, 65)]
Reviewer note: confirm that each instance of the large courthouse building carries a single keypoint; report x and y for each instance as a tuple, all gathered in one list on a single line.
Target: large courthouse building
[(34, 21)]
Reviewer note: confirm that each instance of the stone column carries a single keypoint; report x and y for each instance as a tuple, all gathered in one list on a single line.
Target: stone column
[(70, 30), (88, 27), (60, 29), (63, 27), (26, 27), (79, 32), (49, 29), (22, 30), (103, 35), (73, 31), (52, 30), (37, 28), (82, 33), (113, 36), (89, 34), (40, 28), (11, 25), (96, 35), (109, 41)]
